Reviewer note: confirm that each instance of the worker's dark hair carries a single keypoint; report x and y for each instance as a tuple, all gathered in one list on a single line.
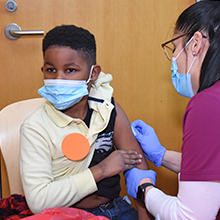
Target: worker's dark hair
[(204, 16)]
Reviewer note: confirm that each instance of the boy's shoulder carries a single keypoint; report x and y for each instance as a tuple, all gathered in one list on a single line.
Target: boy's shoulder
[(36, 115)]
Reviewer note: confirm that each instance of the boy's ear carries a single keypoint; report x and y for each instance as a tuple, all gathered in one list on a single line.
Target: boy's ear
[(95, 72)]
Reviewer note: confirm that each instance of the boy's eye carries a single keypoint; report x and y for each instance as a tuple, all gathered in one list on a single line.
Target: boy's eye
[(51, 70), (70, 70)]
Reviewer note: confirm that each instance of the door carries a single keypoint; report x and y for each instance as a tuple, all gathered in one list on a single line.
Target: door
[(128, 35)]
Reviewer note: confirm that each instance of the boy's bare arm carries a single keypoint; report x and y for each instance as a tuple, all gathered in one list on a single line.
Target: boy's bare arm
[(125, 140), (123, 136)]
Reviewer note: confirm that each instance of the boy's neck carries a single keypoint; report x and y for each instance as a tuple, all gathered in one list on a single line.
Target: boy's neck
[(78, 110)]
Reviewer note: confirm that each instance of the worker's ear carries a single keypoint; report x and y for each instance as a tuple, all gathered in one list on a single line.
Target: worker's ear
[(95, 72), (197, 43)]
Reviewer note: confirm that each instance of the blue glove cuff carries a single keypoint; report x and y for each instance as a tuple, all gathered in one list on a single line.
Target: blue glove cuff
[(133, 178), (159, 157)]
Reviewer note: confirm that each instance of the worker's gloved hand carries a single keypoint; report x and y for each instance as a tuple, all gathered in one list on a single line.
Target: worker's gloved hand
[(133, 178), (149, 142)]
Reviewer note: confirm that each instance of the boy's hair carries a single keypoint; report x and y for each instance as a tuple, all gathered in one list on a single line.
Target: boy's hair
[(74, 37)]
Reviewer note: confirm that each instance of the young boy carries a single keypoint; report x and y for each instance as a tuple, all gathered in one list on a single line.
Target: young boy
[(79, 104)]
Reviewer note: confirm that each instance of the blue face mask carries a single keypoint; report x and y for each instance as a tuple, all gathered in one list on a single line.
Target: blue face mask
[(64, 93), (182, 82)]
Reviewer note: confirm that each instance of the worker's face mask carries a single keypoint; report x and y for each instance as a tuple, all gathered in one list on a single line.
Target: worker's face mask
[(182, 82), (64, 93)]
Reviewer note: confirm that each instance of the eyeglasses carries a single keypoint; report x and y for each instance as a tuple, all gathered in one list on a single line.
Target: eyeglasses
[(168, 47)]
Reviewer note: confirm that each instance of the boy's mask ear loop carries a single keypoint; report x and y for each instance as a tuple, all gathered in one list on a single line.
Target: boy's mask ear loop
[(90, 74)]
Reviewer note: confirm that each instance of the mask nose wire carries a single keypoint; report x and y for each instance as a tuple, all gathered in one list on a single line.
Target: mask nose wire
[(90, 74)]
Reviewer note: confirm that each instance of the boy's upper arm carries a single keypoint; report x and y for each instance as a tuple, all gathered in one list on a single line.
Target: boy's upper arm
[(123, 136)]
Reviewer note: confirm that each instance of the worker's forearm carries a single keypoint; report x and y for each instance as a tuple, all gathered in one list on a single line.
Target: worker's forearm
[(172, 160)]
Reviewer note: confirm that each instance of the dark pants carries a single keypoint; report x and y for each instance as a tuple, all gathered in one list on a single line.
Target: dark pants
[(116, 209)]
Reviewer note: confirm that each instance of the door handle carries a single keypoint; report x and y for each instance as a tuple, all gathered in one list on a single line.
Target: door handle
[(13, 32)]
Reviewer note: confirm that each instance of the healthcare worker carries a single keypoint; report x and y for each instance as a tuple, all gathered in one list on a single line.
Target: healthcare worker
[(195, 55)]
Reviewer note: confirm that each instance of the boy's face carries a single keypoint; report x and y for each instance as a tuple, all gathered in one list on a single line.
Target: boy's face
[(64, 63)]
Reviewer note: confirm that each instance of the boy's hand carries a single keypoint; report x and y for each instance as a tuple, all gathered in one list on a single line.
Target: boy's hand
[(117, 162)]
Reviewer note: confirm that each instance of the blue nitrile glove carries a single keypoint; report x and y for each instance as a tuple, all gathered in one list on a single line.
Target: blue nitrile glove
[(146, 136), (133, 178)]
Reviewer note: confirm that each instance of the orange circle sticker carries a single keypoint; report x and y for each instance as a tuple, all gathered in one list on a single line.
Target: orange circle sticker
[(75, 146)]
